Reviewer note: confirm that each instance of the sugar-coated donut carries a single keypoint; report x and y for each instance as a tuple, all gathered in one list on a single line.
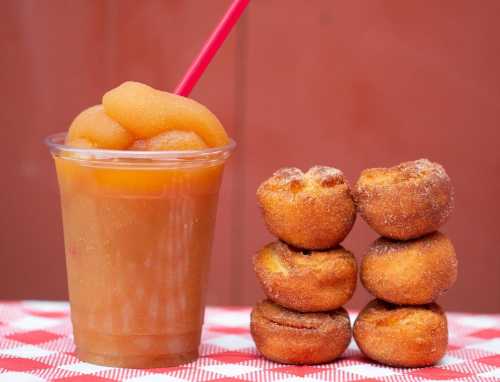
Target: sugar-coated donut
[(406, 201), (314, 210), (412, 272), (403, 336), (306, 281), (291, 337)]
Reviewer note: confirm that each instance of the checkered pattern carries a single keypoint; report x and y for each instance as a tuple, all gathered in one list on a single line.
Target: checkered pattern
[(36, 345)]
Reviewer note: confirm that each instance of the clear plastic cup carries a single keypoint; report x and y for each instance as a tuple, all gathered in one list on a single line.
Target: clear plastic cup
[(138, 230)]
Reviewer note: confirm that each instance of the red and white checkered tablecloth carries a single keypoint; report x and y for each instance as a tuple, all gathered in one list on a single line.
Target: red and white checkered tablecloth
[(36, 345)]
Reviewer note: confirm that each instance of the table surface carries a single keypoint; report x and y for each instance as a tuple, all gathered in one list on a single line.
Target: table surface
[(36, 345)]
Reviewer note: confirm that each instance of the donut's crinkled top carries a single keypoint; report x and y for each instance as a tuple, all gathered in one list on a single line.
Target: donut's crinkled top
[(295, 179), (406, 171)]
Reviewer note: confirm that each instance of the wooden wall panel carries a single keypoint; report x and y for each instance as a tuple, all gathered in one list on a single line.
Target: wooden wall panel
[(358, 84), (352, 84), (59, 60)]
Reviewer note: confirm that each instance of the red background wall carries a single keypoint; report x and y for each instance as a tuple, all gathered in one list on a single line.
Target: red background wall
[(352, 84)]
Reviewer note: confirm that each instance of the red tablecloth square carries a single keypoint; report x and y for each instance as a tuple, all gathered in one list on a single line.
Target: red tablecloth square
[(21, 364), (33, 337), (47, 314), (486, 333), (169, 370), (229, 330), (439, 373), (299, 371), (233, 357), (84, 378), (491, 360)]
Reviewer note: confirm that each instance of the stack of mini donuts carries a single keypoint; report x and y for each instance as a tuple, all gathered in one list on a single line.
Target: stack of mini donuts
[(306, 275), (409, 267)]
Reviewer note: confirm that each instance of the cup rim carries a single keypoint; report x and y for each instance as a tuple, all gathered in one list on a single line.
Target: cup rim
[(56, 145)]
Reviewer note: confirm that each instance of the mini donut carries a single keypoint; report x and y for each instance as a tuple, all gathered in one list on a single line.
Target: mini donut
[(306, 281), (314, 210), (406, 201), (402, 336), (411, 272), (285, 336)]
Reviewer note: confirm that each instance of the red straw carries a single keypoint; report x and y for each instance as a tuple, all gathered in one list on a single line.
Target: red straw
[(211, 47)]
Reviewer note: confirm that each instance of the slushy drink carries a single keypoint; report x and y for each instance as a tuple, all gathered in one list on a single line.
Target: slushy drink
[(139, 178)]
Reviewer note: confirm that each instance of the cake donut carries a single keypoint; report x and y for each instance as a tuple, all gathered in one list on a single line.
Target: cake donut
[(412, 272), (304, 280), (402, 336), (286, 336), (312, 210), (406, 201)]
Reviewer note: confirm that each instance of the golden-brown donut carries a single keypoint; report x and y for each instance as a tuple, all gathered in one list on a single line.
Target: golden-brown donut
[(304, 280), (411, 272), (406, 201), (314, 210), (286, 336), (404, 336)]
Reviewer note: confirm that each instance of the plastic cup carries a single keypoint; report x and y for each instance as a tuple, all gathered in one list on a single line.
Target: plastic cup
[(138, 230)]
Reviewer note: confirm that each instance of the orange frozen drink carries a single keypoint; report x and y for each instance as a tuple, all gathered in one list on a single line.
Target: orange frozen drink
[(139, 178)]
